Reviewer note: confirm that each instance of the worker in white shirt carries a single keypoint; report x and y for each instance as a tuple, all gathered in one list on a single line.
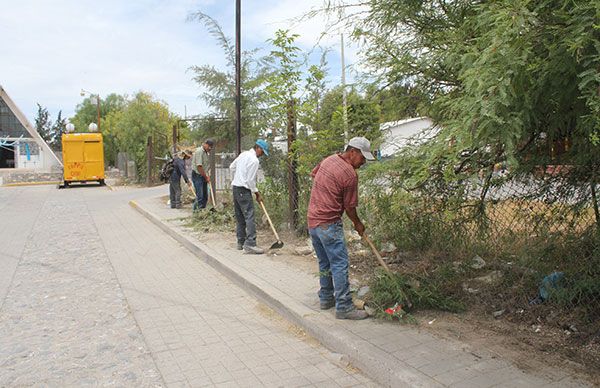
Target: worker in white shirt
[(244, 170)]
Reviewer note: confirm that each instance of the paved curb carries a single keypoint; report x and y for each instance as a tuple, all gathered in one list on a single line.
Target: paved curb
[(362, 354), (31, 183)]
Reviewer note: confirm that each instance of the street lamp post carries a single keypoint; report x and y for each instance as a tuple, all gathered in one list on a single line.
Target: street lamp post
[(83, 93), (238, 79)]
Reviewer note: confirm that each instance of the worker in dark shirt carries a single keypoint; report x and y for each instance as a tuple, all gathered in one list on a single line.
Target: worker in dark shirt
[(175, 181)]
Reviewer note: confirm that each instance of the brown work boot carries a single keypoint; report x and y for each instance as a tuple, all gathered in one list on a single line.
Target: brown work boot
[(353, 314)]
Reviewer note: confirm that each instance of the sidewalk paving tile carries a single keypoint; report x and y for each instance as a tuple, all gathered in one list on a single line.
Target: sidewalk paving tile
[(410, 356)]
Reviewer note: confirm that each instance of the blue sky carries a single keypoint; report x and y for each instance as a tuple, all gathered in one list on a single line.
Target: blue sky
[(52, 49)]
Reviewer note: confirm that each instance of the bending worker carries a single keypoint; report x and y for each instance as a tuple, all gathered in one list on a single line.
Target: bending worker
[(244, 170), (200, 177), (175, 181), (335, 190)]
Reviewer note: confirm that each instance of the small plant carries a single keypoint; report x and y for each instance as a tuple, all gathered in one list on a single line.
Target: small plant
[(412, 292)]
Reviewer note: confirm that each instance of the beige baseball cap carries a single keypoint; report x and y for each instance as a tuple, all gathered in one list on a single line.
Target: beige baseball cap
[(364, 145)]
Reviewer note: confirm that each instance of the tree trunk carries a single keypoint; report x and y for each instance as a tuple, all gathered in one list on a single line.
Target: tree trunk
[(292, 165)]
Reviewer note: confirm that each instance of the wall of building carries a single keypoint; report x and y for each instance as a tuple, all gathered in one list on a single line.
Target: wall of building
[(396, 134)]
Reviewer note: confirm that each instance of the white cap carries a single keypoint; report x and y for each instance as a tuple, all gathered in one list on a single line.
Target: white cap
[(363, 145)]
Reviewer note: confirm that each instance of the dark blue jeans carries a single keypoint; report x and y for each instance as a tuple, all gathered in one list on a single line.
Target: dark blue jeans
[(330, 247), (244, 215), (175, 192), (201, 188)]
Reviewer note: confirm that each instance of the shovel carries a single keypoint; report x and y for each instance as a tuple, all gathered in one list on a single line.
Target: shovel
[(375, 252), (212, 197), (191, 187), (277, 244)]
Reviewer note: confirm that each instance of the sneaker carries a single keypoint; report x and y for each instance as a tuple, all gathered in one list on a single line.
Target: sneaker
[(326, 305), (240, 247), (253, 250), (353, 314)]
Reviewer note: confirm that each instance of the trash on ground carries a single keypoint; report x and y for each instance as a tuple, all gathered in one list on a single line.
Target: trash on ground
[(395, 311), (549, 283)]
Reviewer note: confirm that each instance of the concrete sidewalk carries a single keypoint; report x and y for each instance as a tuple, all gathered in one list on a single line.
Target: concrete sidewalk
[(391, 354)]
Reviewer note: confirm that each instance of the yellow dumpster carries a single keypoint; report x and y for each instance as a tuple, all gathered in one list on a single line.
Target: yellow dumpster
[(83, 158)]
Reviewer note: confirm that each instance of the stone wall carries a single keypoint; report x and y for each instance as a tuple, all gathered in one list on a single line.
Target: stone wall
[(19, 176)]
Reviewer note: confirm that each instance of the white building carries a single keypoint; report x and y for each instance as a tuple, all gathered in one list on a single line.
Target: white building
[(21, 146), (397, 134)]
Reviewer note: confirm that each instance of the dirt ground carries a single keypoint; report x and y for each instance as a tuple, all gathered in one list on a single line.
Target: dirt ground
[(523, 339), (514, 340)]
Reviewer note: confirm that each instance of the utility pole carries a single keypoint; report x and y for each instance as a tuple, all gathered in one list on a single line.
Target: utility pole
[(238, 70), (292, 164), (344, 96)]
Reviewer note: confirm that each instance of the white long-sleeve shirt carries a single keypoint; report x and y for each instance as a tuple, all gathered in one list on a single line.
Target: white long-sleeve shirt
[(244, 170)]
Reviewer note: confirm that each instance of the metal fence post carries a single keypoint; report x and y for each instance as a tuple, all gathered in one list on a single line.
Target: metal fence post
[(149, 159), (213, 180)]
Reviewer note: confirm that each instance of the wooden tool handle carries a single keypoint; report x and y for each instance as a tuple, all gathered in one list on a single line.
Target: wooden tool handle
[(212, 193), (269, 219), (379, 258)]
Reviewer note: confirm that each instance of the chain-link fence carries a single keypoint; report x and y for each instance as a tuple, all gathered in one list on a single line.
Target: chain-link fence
[(519, 247), (522, 247), (522, 244)]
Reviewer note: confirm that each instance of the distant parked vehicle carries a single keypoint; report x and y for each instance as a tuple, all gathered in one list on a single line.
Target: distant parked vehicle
[(83, 158)]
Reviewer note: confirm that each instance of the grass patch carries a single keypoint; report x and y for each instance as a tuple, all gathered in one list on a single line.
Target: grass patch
[(206, 220)]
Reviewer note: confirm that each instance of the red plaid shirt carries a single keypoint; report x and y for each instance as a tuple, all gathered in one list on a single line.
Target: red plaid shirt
[(335, 189)]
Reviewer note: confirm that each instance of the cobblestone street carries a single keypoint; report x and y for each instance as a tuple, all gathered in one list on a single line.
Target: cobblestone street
[(91, 293)]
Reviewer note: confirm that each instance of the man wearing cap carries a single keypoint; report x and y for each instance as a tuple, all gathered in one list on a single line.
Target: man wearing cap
[(200, 177), (335, 190), (175, 180), (244, 170)]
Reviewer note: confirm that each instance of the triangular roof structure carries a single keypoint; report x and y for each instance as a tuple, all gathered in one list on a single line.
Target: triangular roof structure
[(14, 126)]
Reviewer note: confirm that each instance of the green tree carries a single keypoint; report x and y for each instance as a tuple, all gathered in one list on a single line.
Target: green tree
[(87, 111), (43, 123), (50, 131), (283, 81), (130, 127), (398, 102), (500, 74), (219, 86), (363, 115), (309, 112), (57, 130)]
